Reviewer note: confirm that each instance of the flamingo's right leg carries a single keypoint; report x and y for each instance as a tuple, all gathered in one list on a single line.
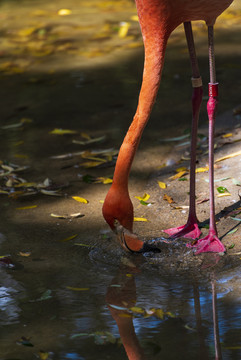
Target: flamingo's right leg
[(191, 229)]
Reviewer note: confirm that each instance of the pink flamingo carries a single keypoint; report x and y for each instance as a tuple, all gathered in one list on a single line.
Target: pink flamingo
[(158, 18)]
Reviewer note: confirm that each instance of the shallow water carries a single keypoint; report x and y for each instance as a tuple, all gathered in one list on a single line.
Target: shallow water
[(73, 313), (64, 301)]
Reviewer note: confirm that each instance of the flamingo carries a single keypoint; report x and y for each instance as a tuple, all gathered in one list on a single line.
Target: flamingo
[(158, 19)]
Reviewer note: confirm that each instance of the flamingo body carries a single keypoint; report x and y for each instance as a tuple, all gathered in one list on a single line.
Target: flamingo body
[(158, 18)]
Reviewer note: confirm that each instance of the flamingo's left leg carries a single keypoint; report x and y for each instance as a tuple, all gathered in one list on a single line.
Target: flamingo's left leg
[(191, 229), (211, 242)]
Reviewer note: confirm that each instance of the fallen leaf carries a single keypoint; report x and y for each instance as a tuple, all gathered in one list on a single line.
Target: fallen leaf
[(104, 180), (80, 199), (69, 238), (140, 219), (137, 310), (162, 185), (90, 140), (64, 12), (123, 30), (26, 207), (236, 182), (24, 254), (232, 245), (202, 169), (77, 215), (62, 132), (227, 135), (77, 289), (238, 153), (25, 341), (168, 198), (145, 197), (224, 194), (178, 175)]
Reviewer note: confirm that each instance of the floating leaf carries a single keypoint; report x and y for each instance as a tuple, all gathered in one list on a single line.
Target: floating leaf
[(26, 207), (80, 199), (62, 132), (84, 245), (77, 288), (168, 198), (70, 238), (176, 138), (159, 313), (162, 185), (137, 310), (43, 355), (46, 295), (140, 219)]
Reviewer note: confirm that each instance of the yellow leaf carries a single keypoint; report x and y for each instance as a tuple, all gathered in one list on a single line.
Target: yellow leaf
[(64, 12), (137, 310), (26, 254), (85, 135), (26, 184), (224, 194), (159, 313), (26, 207), (140, 219), (76, 288), (62, 131), (202, 169), (162, 185), (228, 156), (21, 156), (70, 238), (104, 180), (182, 168), (134, 18), (124, 28), (102, 201), (43, 355), (80, 199), (178, 175), (227, 135), (89, 164), (168, 198), (26, 32), (145, 197)]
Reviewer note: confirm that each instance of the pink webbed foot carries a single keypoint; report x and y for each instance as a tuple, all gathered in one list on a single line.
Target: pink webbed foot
[(189, 231), (209, 243)]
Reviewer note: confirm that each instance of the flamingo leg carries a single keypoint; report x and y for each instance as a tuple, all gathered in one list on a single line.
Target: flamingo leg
[(211, 242), (191, 229)]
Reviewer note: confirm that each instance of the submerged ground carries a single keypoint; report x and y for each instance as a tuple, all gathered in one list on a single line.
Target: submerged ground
[(69, 86)]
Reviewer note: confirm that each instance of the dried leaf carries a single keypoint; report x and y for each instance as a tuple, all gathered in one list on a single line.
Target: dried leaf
[(124, 28), (69, 238), (64, 12), (50, 192), (224, 194), (178, 175), (140, 219), (238, 153), (62, 132), (26, 207), (162, 185), (145, 197), (90, 140), (168, 198), (227, 135), (202, 169), (24, 254), (77, 215), (80, 199), (77, 288)]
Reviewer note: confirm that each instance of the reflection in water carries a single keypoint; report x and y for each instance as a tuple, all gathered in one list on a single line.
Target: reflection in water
[(121, 300)]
